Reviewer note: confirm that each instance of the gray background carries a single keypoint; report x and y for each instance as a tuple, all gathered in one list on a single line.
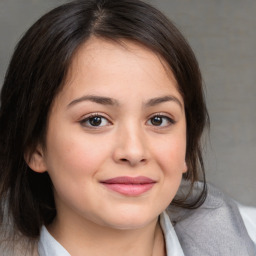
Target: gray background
[(223, 36)]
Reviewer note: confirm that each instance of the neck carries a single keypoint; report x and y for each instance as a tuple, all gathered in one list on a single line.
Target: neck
[(88, 238)]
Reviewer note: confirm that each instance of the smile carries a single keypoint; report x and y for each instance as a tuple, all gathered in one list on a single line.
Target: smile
[(129, 186)]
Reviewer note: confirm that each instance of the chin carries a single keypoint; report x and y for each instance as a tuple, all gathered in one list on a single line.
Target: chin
[(131, 220)]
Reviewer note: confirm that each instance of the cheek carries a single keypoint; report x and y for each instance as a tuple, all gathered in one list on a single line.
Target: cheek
[(170, 155), (73, 157), (72, 165)]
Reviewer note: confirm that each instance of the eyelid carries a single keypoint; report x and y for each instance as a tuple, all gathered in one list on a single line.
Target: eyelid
[(170, 118), (86, 117), (162, 114)]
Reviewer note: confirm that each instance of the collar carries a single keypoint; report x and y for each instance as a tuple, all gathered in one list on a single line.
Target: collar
[(48, 246), (172, 244)]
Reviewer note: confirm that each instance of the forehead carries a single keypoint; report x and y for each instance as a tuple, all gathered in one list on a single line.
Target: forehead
[(96, 52), (104, 66)]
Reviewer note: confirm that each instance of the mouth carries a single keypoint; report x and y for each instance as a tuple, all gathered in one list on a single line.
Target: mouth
[(129, 186)]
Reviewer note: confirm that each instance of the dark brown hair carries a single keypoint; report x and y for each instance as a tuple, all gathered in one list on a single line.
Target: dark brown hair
[(37, 72)]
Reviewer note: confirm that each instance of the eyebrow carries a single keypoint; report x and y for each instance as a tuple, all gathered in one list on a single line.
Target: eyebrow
[(113, 102), (97, 99), (158, 100)]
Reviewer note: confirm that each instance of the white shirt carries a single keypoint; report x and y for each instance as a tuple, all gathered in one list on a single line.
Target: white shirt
[(48, 246)]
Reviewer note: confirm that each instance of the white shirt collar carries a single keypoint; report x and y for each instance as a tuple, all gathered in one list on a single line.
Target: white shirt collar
[(48, 246), (173, 247)]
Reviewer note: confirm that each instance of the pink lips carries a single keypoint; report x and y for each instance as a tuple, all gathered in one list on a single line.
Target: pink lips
[(129, 186)]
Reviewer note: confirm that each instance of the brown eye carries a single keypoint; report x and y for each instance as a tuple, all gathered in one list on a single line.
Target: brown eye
[(94, 121), (157, 120), (161, 121)]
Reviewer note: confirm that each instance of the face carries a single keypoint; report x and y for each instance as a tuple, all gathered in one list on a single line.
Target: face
[(116, 138)]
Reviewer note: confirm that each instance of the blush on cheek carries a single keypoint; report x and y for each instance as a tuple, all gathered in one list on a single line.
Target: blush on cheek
[(172, 153)]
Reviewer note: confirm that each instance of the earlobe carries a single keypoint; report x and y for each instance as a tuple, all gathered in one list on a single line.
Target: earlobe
[(185, 168), (36, 161)]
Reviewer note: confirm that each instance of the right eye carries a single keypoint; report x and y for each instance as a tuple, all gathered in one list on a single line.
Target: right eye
[(95, 121)]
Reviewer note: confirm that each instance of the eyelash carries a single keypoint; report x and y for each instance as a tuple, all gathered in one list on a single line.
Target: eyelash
[(170, 121), (89, 118)]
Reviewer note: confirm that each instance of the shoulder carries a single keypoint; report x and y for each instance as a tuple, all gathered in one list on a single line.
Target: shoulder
[(215, 228), (248, 215)]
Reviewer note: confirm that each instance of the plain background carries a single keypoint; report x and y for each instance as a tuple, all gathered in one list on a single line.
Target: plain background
[(222, 34)]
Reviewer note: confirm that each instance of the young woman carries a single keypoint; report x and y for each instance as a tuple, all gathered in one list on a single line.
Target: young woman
[(102, 110)]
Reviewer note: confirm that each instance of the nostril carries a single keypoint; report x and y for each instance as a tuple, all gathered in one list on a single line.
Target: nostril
[(131, 160), (126, 160)]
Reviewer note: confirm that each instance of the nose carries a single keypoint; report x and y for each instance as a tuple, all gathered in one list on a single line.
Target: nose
[(131, 147)]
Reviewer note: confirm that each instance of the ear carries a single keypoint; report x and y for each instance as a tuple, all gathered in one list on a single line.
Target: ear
[(36, 160), (185, 168)]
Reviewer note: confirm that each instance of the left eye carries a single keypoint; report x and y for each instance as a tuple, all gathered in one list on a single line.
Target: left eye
[(160, 120), (94, 121)]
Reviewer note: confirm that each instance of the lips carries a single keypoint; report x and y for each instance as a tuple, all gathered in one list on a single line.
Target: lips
[(129, 186)]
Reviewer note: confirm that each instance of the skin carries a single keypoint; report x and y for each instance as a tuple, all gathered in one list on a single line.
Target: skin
[(127, 141)]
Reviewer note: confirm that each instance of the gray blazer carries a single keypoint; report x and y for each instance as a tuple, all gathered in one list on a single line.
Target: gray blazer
[(214, 229)]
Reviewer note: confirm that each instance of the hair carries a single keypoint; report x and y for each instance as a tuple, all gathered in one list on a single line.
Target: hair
[(37, 72)]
